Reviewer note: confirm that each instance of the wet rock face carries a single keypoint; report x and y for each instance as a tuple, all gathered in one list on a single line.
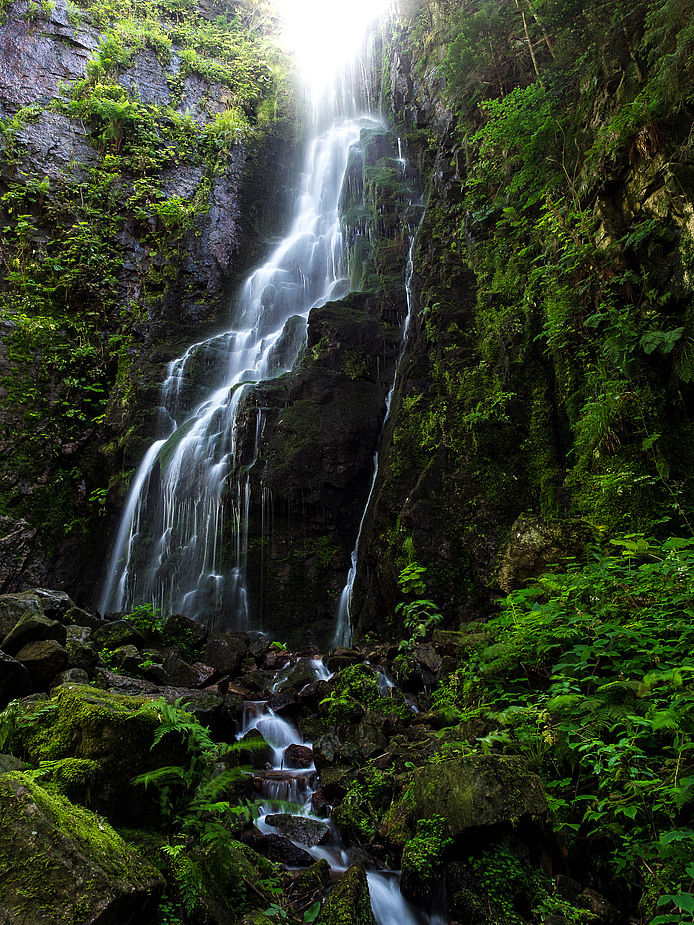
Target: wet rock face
[(482, 791), (92, 875), (163, 287)]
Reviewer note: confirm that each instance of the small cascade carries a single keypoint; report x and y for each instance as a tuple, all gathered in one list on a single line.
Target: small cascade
[(287, 793), (343, 630)]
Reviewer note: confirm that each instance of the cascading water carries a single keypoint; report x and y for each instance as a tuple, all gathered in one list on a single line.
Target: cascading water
[(169, 546), (343, 631)]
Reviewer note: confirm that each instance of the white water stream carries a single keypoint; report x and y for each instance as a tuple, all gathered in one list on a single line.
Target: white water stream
[(168, 549), (290, 791), (343, 631)]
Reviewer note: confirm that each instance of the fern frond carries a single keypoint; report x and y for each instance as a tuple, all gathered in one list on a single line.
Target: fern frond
[(160, 777)]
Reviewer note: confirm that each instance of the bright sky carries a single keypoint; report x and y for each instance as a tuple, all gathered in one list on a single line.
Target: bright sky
[(325, 33)]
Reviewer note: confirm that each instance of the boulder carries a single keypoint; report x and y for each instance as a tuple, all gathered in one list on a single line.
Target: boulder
[(15, 680), (279, 849), (62, 863), (71, 676), (43, 660), (422, 862), (81, 652), (9, 764), (127, 658), (224, 652), (254, 750), (259, 646), (343, 658), (117, 633), (280, 703), (296, 677), (535, 544), (78, 617), (312, 695), (370, 735), (479, 790), (113, 730), (12, 609), (184, 632), (313, 880), (337, 747), (32, 627), (427, 656), (54, 604), (180, 672), (298, 757), (349, 902), (307, 831)]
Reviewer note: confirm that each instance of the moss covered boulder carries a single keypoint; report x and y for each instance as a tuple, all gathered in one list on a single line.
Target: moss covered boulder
[(350, 903), (113, 730), (62, 864), (479, 790)]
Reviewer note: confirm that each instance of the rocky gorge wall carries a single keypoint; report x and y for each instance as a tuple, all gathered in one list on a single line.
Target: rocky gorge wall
[(135, 192), (545, 396)]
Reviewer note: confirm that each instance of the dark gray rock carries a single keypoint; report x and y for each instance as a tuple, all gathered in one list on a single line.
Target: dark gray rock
[(12, 609), (279, 849), (43, 660), (15, 680), (127, 658), (71, 676), (117, 633), (78, 617), (181, 673), (309, 832), (224, 652), (80, 648), (32, 627)]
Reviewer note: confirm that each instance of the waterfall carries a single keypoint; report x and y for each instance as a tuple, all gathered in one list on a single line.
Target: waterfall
[(343, 631), (168, 548), (182, 542)]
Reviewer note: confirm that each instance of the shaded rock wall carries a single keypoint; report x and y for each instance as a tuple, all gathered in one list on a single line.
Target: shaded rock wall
[(514, 399), (134, 195)]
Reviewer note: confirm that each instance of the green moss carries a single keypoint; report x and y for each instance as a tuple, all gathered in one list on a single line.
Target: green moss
[(34, 878), (349, 903), (422, 859)]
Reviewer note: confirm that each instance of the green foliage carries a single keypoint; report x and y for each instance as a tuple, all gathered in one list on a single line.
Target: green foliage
[(589, 675), (420, 615)]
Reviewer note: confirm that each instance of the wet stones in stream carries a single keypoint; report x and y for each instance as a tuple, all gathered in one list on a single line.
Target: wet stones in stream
[(309, 832), (277, 848), (298, 757)]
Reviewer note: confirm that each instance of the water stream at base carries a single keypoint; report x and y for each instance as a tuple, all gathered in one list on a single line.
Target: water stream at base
[(293, 790)]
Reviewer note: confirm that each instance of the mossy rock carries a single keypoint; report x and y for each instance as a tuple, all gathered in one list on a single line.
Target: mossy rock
[(395, 828), (422, 862), (114, 731), (225, 871), (479, 790), (350, 903), (60, 863), (313, 879), (535, 545)]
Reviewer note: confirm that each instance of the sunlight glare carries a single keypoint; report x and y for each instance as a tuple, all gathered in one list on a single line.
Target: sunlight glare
[(324, 34)]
